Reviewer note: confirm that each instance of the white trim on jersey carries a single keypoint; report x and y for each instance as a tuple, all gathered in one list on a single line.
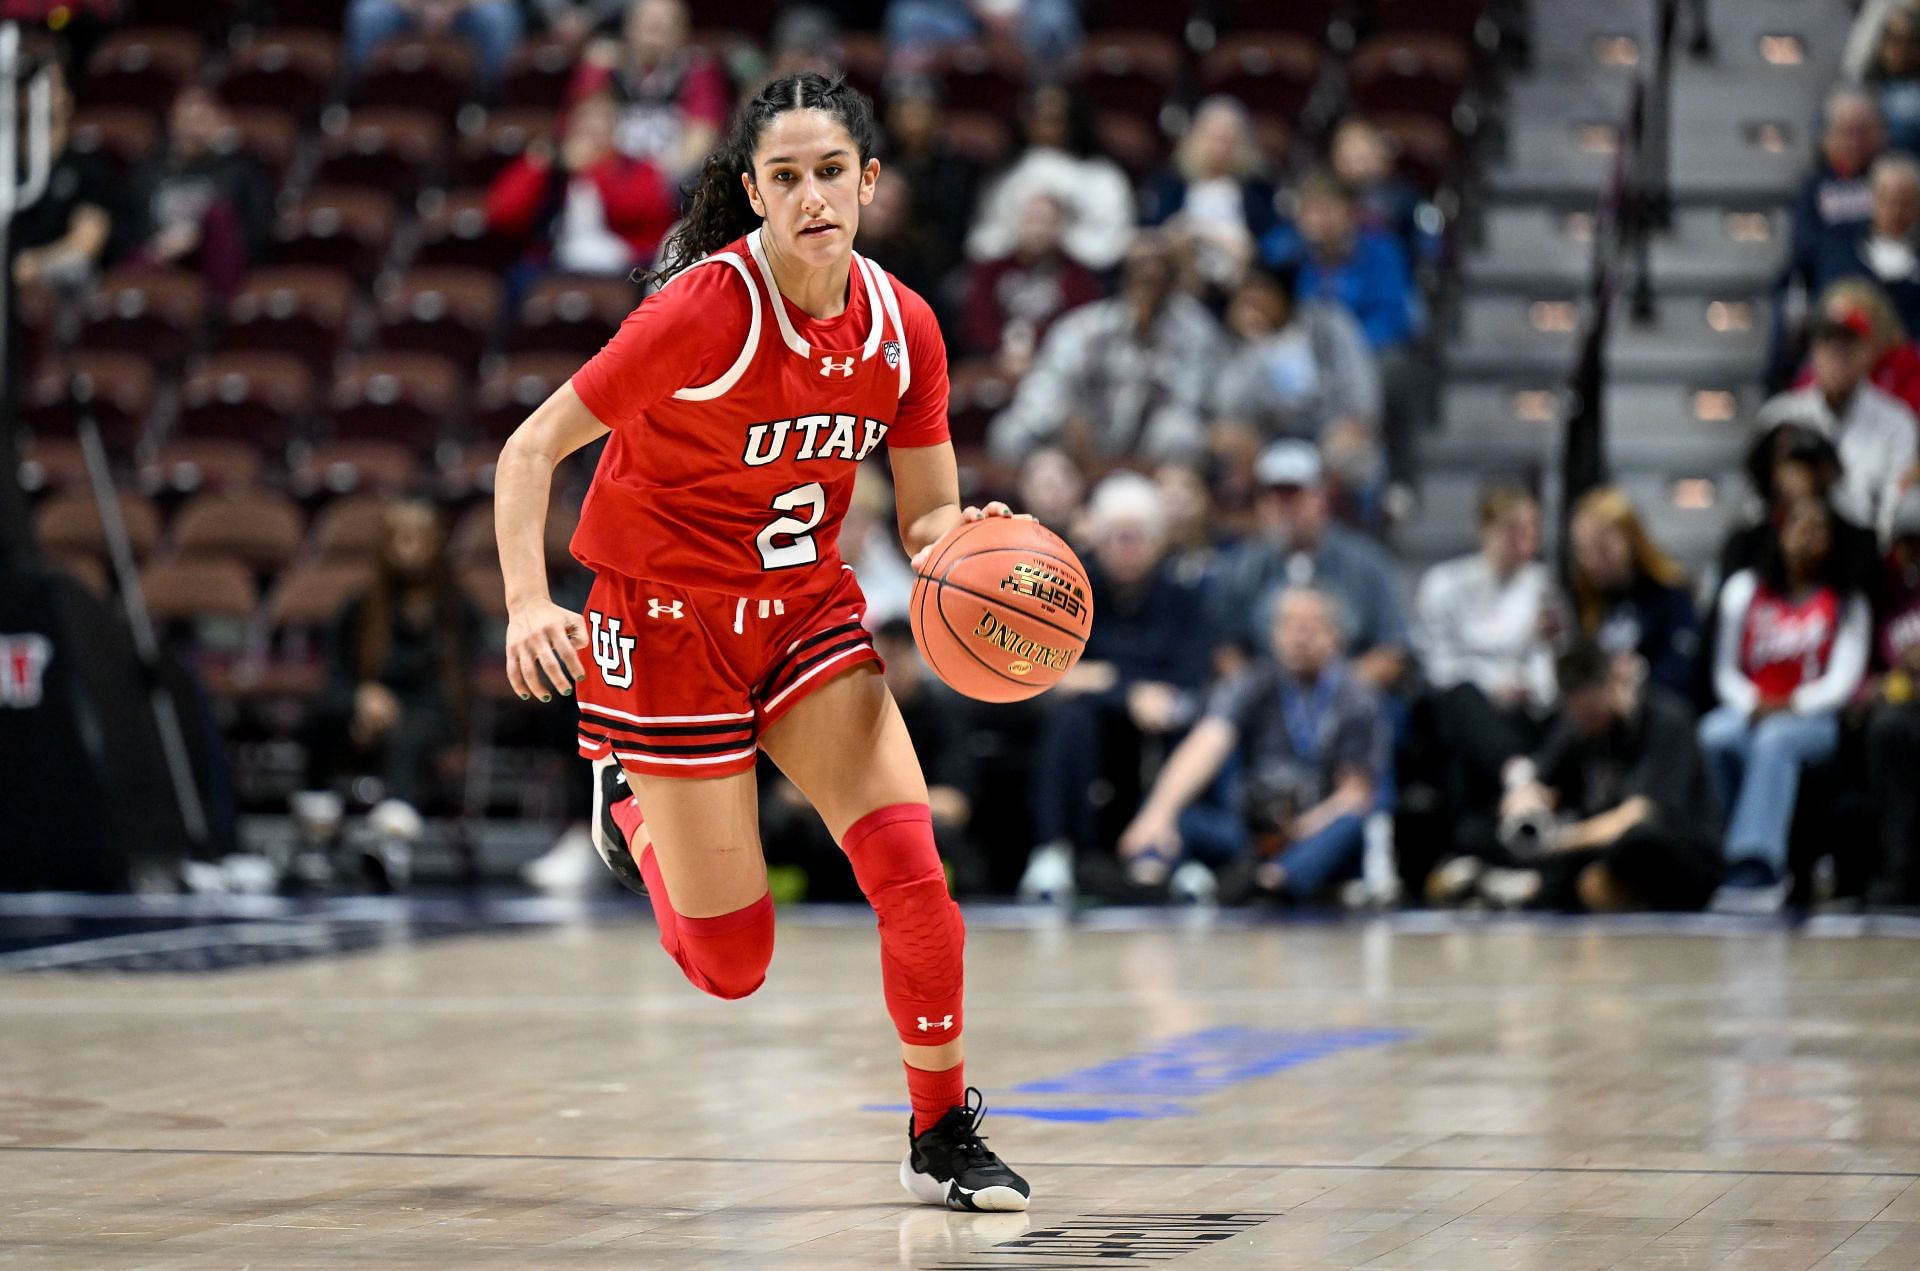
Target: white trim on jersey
[(899, 328), (708, 392), (867, 270), (787, 332)]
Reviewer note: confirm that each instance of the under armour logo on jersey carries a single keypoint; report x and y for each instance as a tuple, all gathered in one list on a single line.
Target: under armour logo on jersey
[(23, 665), (612, 652), (828, 366), (891, 351), (655, 609), (945, 1021)]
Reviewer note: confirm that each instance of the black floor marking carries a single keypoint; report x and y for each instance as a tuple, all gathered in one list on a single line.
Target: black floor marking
[(893, 1162)]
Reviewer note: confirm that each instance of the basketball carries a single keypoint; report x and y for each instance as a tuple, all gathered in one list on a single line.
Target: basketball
[(1002, 610)]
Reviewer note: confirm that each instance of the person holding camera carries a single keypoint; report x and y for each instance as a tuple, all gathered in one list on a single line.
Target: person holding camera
[(1615, 813), (1311, 748)]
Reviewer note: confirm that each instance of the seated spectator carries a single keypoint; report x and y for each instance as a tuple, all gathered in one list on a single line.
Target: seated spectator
[(1791, 649), (398, 693), (63, 237), (1786, 463), (1886, 248), (1362, 156), (582, 207), (1298, 543), (1011, 303), (1835, 200), (1339, 259), (945, 182), (1893, 730), (1896, 360), (1875, 435), (1053, 490), (1126, 377), (1302, 369), (493, 27), (1059, 156), (1628, 595), (672, 98), (869, 543), (205, 208), (1484, 631), (921, 30), (575, 21), (1616, 814), (1894, 77), (1312, 750), (1139, 683), (1215, 195)]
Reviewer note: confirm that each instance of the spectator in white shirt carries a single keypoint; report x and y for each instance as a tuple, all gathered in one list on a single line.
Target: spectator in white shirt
[(1876, 434), (1062, 158)]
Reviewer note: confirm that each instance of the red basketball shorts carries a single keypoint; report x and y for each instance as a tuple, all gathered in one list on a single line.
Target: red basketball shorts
[(682, 683)]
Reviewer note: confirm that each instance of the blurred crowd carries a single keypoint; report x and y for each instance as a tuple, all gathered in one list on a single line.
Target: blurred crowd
[(1191, 331)]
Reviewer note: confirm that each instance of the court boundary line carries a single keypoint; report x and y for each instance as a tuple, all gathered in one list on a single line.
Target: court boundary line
[(83, 1149)]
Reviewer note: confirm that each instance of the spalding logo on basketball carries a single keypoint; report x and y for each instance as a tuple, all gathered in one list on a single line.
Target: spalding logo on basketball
[(1002, 610)]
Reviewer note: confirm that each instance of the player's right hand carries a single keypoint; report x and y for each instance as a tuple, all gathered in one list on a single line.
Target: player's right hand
[(541, 639)]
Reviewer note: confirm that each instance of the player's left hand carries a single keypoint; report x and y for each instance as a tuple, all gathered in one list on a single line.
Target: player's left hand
[(996, 508)]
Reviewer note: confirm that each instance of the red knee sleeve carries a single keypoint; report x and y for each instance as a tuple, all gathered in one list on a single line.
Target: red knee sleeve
[(727, 955), (922, 937)]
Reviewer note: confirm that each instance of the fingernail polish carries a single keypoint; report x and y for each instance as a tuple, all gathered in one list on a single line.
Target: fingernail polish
[(546, 697), (524, 697)]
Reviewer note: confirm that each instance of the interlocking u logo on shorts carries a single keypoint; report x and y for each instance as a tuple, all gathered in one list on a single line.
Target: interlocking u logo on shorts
[(612, 652)]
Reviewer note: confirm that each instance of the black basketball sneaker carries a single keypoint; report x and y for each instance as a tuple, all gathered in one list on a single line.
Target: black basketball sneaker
[(609, 788), (950, 1164)]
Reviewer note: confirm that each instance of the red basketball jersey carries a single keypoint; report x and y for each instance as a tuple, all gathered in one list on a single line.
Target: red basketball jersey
[(1787, 643), (737, 422)]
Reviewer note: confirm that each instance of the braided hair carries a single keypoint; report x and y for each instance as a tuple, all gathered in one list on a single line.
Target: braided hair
[(718, 211)]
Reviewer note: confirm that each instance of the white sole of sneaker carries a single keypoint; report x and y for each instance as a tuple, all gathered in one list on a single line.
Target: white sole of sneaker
[(929, 1190)]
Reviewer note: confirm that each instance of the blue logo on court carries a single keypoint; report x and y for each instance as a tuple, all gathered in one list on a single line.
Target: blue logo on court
[(1150, 1083)]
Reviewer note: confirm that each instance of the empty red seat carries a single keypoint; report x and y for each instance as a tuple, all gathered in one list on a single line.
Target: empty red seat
[(454, 230), (539, 73), (418, 72), (1268, 74), (1409, 74), (70, 523), (1130, 73), (490, 142), (1161, 17), (338, 229), (1464, 20), (157, 313), (344, 467), (408, 399), (298, 310), (142, 68), (212, 597), (380, 148), (515, 387), (1426, 149), (188, 463), (122, 135), (1314, 19), (50, 463), (260, 398), (204, 17), (578, 315), (267, 136), (983, 77), (450, 311), (117, 386), (350, 529), (259, 528), (290, 70)]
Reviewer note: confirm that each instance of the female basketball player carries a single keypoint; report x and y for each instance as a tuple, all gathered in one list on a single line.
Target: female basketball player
[(740, 398)]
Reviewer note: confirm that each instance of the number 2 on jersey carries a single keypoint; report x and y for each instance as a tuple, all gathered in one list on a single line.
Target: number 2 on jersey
[(801, 549)]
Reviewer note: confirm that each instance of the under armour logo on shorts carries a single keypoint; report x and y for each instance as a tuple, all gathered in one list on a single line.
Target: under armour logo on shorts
[(828, 366), (655, 609), (945, 1021)]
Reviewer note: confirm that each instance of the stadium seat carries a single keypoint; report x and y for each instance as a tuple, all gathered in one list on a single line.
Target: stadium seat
[(453, 230), (473, 537), (485, 587), (418, 72), (1168, 18), (1136, 144), (291, 70), (142, 68), (123, 136), (267, 136), (212, 598), (260, 528), (380, 148), (338, 229), (89, 571), (450, 311), (981, 135), (50, 463), (350, 529), (70, 523), (514, 387), (576, 315), (263, 399), (487, 143), (311, 15), (1131, 72), (1409, 74), (189, 464), (409, 399), (1462, 20), (539, 74), (1268, 74), (1315, 19), (302, 311), (158, 313), (1427, 148), (344, 467), (989, 77), (36, 312), (207, 18), (307, 600), (118, 385)]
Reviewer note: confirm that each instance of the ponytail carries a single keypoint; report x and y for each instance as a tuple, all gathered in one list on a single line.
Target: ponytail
[(717, 208)]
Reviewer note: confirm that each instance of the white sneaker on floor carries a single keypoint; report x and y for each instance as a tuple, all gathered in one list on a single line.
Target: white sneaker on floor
[(571, 867), (1049, 876), (1765, 900), (1194, 884), (1510, 888)]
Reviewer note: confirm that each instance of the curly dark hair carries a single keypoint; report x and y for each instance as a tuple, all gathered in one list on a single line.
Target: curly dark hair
[(718, 211)]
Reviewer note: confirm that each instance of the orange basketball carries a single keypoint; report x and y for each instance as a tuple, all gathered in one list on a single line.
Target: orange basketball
[(1002, 610)]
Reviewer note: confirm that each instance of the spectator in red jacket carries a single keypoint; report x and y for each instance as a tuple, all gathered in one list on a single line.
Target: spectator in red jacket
[(672, 98), (1860, 304), (583, 207), (1010, 302)]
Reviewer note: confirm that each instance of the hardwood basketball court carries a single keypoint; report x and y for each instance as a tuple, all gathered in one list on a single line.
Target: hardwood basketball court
[(391, 1084)]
